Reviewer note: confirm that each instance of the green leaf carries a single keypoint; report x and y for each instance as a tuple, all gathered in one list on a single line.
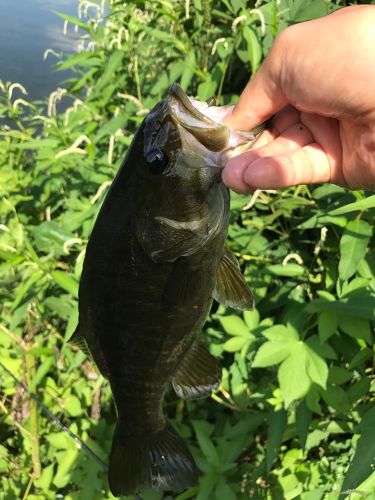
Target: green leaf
[(339, 375), (291, 486), (234, 325), (207, 88), (237, 343), (367, 486), (254, 48), (324, 350), (304, 11), (293, 378), (188, 71), (223, 490), (361, 357), (353, 246), (81, 59), (356, 328), (65, 464), (312, 400), (364, 204), (280, 333), (358, 390), (362, 465), (312, 495), (327, 325), (315, 438), (207, 484), (45, 479), (38, 144), (72, 405), (43, 368), (271, 353), (25, 287), (251, 318), (359, 307), (316, 367), (66, 281), (303, 420), (51, 236), (202, 430), (288, 270), (59, 305), (113, 65), (74, 20), (276, 428), (320, 220), (111, 127), (60, 441), (336, 397), (72, 322)]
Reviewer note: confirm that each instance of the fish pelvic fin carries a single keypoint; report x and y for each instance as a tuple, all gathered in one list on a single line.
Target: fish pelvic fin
[(95, 353), (198, 374), (231, 288), (79, 341), (160, 461)]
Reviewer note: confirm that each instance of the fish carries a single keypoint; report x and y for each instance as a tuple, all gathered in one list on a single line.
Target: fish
[(155, 261)]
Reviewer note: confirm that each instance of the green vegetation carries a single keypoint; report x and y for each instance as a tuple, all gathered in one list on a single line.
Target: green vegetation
[(295, 415)]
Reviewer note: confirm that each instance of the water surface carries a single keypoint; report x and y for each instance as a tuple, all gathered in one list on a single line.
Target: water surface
[(27, 29)]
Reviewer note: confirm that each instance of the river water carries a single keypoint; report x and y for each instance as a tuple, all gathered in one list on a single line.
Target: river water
[(27, 29)]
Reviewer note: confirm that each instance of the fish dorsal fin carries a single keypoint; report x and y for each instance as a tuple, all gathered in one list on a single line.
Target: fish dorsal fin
[(231, 288), (198, 374)]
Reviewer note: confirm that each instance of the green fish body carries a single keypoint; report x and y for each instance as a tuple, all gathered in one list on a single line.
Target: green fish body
[(154, 262)]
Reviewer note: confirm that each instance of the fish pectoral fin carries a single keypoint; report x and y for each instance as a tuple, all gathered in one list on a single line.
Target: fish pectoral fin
[(198, 374), (160, 461), (165, 240), (231, 288)]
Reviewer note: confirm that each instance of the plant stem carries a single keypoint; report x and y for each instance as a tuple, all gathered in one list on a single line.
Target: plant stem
[(27, 491), (137, 81), (34, 424)]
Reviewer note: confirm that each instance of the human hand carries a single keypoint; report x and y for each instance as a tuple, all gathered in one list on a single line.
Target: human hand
[(319, 82)]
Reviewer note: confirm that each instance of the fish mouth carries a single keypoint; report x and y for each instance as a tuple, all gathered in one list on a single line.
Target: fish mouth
[(200, 128), (192, 130), (212, 135)]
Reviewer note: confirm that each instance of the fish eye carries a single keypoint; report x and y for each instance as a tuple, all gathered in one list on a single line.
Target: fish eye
[(157, 160)]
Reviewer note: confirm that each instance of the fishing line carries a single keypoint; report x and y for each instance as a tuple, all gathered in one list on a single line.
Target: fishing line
[(78, 441)]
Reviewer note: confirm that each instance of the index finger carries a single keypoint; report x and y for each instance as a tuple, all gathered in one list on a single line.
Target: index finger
[(262, 96)]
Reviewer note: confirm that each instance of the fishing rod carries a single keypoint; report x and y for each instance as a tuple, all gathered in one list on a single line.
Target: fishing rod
[(47, 412), (44, 409)]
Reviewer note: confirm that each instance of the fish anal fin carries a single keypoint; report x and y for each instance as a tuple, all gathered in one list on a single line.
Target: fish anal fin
[(198, 374), (160, 461), (231, 288)]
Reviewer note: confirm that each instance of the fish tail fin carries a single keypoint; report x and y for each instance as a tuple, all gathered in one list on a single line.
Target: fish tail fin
[(160, 461)]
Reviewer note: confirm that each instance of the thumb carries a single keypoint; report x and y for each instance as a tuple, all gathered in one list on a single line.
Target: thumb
[(263, 96)]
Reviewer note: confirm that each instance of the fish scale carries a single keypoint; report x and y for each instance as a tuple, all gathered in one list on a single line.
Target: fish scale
[(154, 262)]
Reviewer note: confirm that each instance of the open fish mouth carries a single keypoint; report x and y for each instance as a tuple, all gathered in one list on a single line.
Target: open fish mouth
[(202, 121), (214, 136)]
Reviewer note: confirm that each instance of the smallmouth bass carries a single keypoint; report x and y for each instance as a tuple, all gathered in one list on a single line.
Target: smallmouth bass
[(154, 262)]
